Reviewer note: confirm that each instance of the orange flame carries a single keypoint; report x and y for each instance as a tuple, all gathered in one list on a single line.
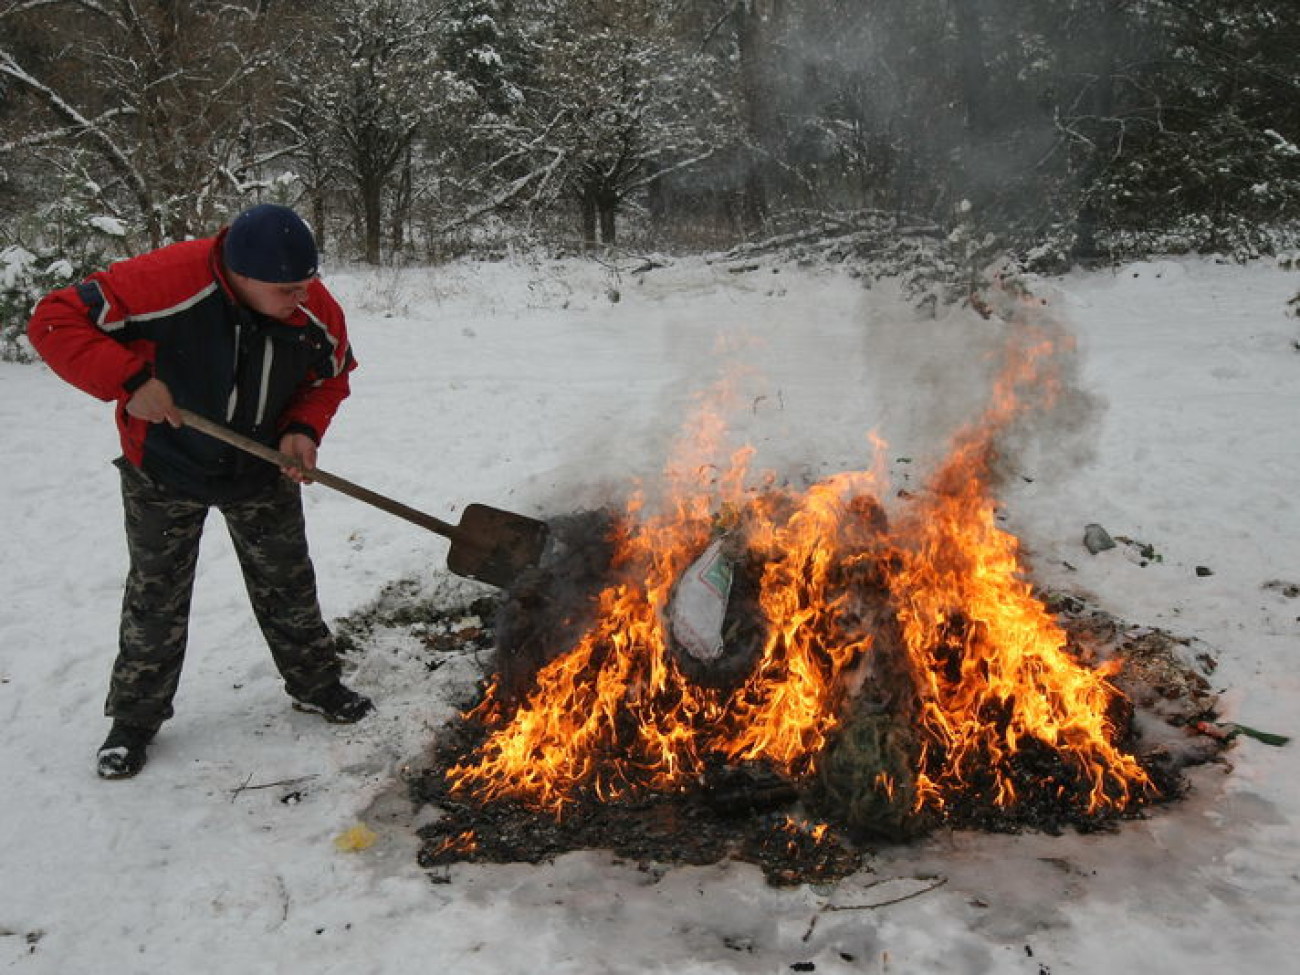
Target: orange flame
[(615, 714), (464, 842), (989, 661)]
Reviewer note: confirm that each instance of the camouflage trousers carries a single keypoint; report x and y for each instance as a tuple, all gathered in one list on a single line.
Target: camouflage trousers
[(163, 534)]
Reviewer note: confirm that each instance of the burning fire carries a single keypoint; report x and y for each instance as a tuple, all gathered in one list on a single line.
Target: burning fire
[(464, 842), (987, 664)]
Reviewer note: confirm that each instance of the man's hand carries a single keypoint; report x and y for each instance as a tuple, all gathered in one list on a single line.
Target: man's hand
[(301, 448), (153, 402)]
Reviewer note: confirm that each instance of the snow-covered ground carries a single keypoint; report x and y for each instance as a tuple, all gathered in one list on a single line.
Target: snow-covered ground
[(539, 387)]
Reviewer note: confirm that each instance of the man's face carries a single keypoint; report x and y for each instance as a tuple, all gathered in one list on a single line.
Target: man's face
[(272, 299)]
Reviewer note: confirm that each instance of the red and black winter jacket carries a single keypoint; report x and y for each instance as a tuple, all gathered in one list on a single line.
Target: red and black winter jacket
[(170, 314)]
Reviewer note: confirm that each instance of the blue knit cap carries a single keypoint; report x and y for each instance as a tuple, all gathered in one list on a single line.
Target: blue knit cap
[(270, 243)]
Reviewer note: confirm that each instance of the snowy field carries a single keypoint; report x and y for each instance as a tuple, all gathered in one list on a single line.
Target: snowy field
[(529, 386)]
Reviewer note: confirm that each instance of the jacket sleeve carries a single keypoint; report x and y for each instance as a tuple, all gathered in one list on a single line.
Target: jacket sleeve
[(72, 330), (316, 400)]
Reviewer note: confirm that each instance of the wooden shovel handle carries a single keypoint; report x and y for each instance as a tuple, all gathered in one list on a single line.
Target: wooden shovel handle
[(344, 486)]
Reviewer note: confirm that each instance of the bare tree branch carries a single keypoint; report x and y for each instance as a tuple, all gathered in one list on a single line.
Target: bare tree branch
[(113, 154)]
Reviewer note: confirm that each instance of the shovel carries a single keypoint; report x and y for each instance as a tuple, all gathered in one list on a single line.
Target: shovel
[(489, 544)]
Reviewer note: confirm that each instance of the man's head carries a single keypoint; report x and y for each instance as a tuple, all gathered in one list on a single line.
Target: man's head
[(270, 256)]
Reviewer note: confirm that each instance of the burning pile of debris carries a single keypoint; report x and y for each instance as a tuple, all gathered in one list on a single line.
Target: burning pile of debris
[(804, 820), (777, 675)]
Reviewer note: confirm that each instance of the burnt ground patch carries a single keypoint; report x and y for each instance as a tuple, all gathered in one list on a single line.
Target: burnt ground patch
[(795, 831)]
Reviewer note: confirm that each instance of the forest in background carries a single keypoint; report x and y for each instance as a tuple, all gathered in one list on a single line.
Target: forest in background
[(926, 137)]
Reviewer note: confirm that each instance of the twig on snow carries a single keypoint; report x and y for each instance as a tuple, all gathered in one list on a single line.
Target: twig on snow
[(934, 882), (245, 787)]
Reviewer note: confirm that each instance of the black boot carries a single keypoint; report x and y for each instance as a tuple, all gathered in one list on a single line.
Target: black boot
[(336, 704), (123, 753)]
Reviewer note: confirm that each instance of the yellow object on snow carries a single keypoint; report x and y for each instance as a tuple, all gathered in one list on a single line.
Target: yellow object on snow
[(359, 837)]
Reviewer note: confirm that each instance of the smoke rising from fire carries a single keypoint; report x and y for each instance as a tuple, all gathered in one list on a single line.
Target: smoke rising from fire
[(812, 402), (1057, 433)]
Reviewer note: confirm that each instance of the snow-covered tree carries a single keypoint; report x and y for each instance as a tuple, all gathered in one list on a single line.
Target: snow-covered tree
[(616, 104), (1083, 121), (1203, 148), (165, 95), (372, 87), (479, 46)]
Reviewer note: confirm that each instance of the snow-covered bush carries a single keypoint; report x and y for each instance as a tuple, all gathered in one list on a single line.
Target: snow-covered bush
[(72, 244), (19, 288)]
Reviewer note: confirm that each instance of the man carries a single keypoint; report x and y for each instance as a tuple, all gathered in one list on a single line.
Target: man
[(237, 328)]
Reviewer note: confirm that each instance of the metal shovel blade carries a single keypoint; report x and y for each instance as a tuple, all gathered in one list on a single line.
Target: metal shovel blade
[(495, 546)]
